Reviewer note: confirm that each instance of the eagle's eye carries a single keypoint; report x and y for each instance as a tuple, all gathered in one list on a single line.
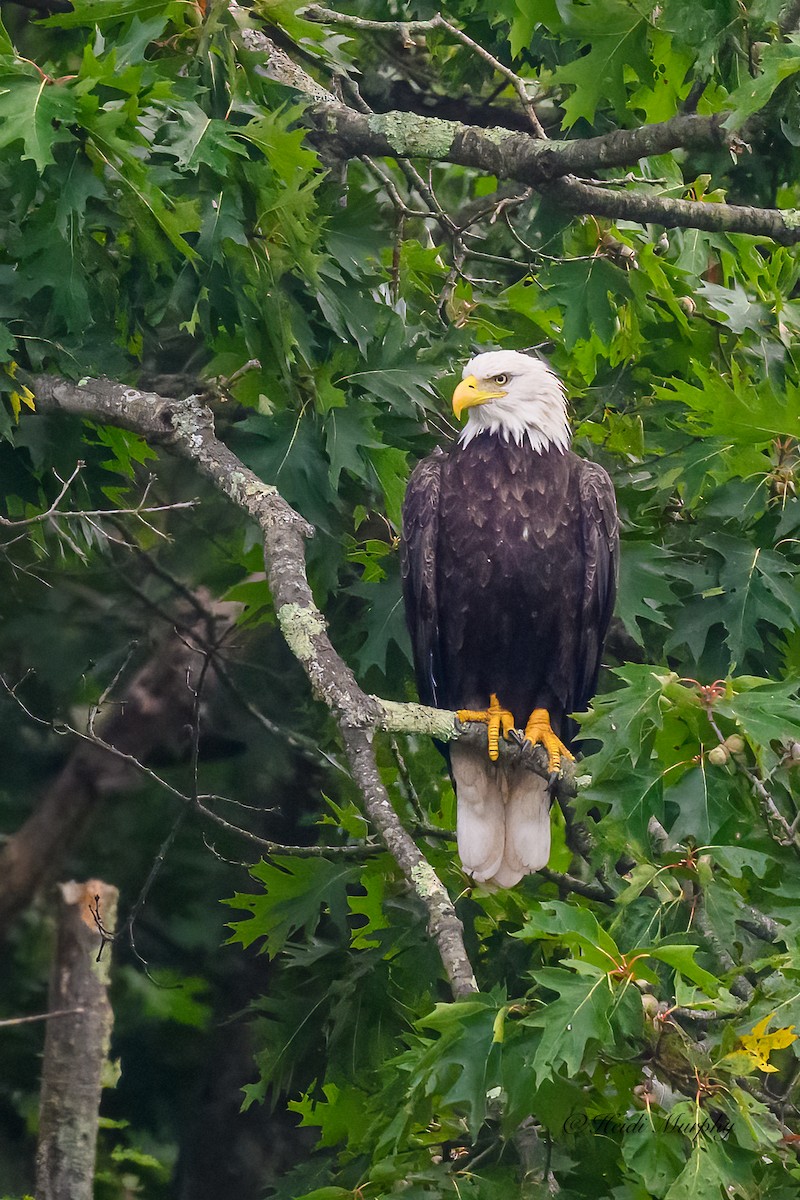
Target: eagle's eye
[(501, 379)]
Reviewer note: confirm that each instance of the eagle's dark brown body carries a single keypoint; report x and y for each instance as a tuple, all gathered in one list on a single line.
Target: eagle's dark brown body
[(509, 576)]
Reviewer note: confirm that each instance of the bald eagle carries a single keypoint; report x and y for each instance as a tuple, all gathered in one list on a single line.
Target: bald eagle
[(509, 550)]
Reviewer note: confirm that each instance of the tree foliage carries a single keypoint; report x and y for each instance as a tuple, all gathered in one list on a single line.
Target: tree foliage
[(199, 199)]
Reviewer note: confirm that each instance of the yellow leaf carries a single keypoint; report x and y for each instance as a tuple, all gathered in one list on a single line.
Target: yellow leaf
[(499, 1026), (17, 399), (758, 1044)]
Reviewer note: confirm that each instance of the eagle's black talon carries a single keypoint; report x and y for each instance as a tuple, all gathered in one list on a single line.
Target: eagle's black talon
[(552, 781)]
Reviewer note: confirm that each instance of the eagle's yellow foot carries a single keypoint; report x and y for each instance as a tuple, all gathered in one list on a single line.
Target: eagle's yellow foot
[(496, 718), (539, 732)]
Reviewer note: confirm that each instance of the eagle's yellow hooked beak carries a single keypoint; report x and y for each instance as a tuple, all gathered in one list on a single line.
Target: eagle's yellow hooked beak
[(468, 394)]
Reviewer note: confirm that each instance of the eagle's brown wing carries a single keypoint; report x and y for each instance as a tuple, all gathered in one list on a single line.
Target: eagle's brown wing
[(600, 532), (418, 556)]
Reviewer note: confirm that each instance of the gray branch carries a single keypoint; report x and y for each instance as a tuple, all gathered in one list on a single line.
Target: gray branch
[(507, 154), (533, 160), (781, 225), (186, 428)]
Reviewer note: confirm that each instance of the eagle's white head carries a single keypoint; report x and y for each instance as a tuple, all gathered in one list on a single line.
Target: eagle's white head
[(515, 396)]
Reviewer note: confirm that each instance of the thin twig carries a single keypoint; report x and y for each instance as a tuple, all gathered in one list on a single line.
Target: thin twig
[(408, 784), (97, 706), (60, 1012), (53, 514), (570, 883), (268, 846)]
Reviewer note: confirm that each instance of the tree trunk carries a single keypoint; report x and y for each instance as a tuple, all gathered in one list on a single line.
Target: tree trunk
[(76, 1045)]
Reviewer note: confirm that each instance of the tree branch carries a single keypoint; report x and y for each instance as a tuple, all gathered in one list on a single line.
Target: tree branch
[(407, 28), (549, 165), (508, 155), (781, 225), (186, 428), (534, 161)]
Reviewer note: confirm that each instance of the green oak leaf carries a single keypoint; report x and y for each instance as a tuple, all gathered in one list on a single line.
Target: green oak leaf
[(573, 1026), (618, 47), (35, 111), (296, 891)]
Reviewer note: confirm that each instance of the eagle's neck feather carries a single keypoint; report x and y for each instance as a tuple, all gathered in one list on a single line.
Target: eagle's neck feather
[(549, 430)]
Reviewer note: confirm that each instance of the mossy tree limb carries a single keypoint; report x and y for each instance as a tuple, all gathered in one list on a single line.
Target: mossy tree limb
[(186, 427)]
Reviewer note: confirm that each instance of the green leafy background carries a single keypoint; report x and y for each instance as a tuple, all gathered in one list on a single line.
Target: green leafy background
[(167, 218)]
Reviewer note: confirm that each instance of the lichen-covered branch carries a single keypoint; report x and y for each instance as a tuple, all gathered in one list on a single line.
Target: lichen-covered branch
[(279, 66), (530, 159), (781, 225), (186, 428), (406, 29), (551, 165), (501, 152), (416, 718), (443, 924)]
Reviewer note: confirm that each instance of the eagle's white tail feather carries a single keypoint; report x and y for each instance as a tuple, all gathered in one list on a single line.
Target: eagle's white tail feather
[(503, 818), (527, 822), (481, 819)]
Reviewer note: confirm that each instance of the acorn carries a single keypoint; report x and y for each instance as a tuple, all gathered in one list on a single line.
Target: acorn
[(735, 743), (651, 1006), (719, 755)]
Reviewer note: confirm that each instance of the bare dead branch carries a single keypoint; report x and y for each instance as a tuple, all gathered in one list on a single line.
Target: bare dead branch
[(54, 511)]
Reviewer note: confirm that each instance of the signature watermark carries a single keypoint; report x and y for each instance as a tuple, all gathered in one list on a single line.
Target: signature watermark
[(707, 1125)]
